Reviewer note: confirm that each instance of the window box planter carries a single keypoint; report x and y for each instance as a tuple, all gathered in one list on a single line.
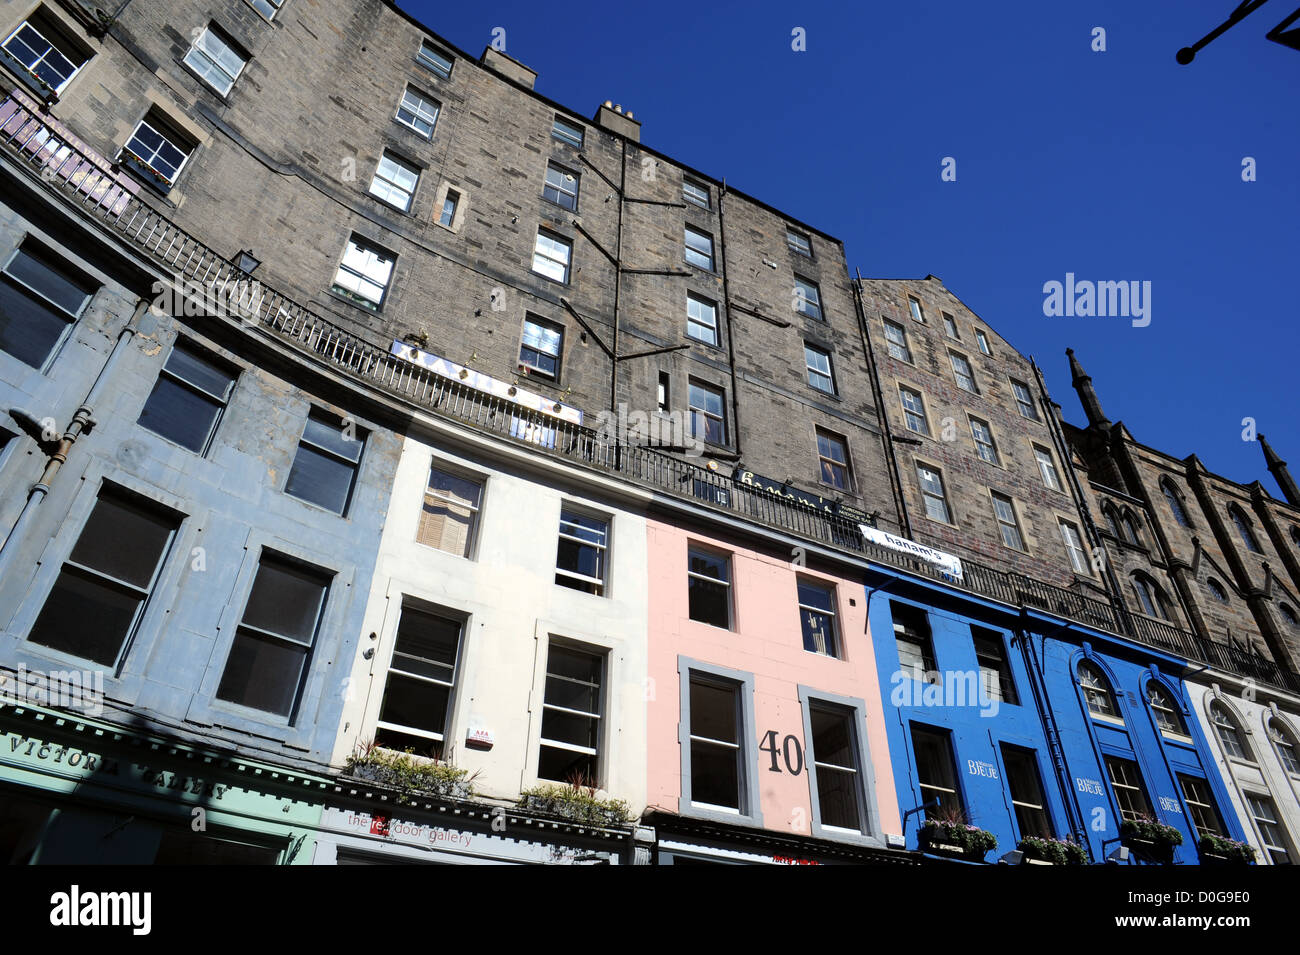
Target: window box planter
[(148, 173), (955, 839), (1217, 850), (1151, 840), (20, 69), (577, 803), (410, 774), (1039, 851)]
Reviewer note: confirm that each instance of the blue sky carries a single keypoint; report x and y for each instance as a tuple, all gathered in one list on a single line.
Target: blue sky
[(1115, 165)]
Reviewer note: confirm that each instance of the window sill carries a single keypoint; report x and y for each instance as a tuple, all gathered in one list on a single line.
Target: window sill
[(715, 626), (700, 268), (138, 170), (413, 131), (1107, 720), (223, 97), (388, 205), (355, 303), (318, 507), (935, 520), (563, 283)]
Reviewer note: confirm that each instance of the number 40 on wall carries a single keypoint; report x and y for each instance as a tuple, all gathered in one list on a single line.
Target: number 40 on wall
[(791, 752)]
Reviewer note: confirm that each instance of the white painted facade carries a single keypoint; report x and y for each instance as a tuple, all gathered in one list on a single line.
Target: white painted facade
[(1263, 771), (513, 610)]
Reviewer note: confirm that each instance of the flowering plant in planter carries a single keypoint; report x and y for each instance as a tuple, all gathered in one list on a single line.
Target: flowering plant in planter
[(576, 802), (410, 773), (1152, 838), (969, 840), (1055, 851), (1225, 849)]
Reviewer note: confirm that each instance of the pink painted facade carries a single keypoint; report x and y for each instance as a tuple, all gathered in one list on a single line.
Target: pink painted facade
[(766, 642)]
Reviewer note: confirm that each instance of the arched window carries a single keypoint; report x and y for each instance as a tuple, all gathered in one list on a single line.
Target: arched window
[(1287, 614), (1229, 736), (1101, 701), (1150, 598), (1165, 709), (1243, 528), (1216, 590), (1112, 520), (1287, 750), (1130, 526), (1295, 537), (1175, 502)]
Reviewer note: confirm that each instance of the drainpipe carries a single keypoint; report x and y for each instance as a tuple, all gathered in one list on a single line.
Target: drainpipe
[(82, 423), (886, 435), (1108, 578), (1037, 683), (726, 298)]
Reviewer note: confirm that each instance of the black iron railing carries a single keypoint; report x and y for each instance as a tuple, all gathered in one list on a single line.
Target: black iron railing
[(110, 197)]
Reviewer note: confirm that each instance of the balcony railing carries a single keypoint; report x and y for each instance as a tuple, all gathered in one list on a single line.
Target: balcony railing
[(108, 196)]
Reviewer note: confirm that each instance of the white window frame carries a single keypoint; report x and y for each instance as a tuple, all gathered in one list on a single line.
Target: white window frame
[(891, 344), (692, 410), (567, 131), (602, 546), (602, 655), (374, 256), (822, 460), (1024, 401), (385, 183), (1074, 548), (55, 47), (701, 238), (798, 243), (471, 533), (451, 617), (927, 496), (950, 327), (418, 106), (211, 52), (815, 373), (697, 192), (915, 309), (166, 138), (547, 257), (724, 581), (705, 309), (908, 413), (433, 62), (982, 340), (970, 386), (992, 457), (808, 298), (1047, 469), (560, 187)]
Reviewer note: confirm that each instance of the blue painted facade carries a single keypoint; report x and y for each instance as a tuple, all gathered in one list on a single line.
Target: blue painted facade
[(230, 503), (1048, 724)]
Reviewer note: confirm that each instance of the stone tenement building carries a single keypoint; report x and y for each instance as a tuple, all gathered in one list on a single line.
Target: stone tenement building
[(362, 400)]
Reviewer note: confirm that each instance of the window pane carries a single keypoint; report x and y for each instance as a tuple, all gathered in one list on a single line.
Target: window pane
[(715, 775), (86, 616), (320, 479), (41, 272), (286, 600), (835, 761), (180, 415), (29, 328), (123, 540), (714, 712), (262, 673)]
